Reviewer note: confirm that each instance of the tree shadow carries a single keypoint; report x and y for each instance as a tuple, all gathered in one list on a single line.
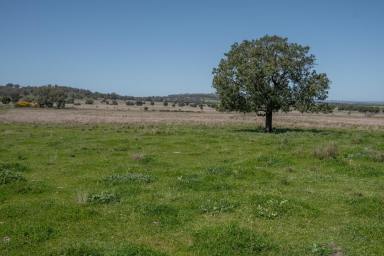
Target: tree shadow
[(280, 130)]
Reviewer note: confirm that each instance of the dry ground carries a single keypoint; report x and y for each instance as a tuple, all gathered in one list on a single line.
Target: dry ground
[(132, 114)]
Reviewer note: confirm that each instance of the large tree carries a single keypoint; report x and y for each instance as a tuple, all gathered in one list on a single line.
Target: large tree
[(267, 75)]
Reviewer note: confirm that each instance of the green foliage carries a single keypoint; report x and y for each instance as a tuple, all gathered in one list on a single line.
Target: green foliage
[(321, 250), (5, 100), (359, 108), (50, 96), (229, 240), (89, 101), (269, 74)]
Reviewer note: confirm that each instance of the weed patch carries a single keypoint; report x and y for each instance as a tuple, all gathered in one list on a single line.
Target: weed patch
[(229, 240), (329, 151), (103, 198)]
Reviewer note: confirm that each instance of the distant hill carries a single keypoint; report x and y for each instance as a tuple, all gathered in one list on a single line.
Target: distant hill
[(16, 92)]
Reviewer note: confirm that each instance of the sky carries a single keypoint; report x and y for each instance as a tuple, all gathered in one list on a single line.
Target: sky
[(145, 47)]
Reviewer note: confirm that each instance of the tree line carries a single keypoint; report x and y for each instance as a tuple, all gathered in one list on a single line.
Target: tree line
[(57, 96)]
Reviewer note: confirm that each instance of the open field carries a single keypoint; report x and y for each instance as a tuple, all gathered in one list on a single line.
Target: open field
[(71, 188), (158, 114)]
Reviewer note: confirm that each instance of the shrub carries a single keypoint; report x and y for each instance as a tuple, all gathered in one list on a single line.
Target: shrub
[(103, 198), (89, 101), (114, 102), (129, 103), (165, 103), (229, 240), (145, 108), (77, 103), (70, 101), (129, 177), (23, 104), (152, 103), (139, 103), (328, 151), (5, 100)]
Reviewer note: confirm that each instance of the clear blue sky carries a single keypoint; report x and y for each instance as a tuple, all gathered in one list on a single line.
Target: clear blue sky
[(163, 47)]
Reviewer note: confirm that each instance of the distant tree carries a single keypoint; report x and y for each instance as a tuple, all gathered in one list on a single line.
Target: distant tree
[(89, 101), (50, 96), (5, 100), (267, 75), (201, 106)]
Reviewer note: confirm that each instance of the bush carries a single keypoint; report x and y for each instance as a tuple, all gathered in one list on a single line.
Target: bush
[(139, 103), (114, 102), (70, 101), (165, 103), (145, 108), (89, 101), (23, 104), (326, 152), (152, 103), (129, 103), (5, 100), (77, 103)]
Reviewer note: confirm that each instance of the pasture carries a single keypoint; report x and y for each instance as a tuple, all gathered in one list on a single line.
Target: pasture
[(75, 187)]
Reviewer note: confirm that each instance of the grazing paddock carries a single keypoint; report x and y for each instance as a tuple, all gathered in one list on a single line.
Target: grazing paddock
[(165, 187), (156, 115)]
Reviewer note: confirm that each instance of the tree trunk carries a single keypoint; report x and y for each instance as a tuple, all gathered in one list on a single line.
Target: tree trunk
[(268, 121)]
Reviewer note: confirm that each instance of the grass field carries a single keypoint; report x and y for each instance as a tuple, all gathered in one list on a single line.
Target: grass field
[(130, 189)]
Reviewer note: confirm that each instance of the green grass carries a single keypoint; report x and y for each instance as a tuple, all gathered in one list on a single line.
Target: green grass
[(189, 190)]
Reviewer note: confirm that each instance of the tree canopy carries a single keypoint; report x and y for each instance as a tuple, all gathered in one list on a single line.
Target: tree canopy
[(267, 75)]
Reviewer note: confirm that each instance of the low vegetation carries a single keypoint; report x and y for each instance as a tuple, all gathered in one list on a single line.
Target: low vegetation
[(102, 189)]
